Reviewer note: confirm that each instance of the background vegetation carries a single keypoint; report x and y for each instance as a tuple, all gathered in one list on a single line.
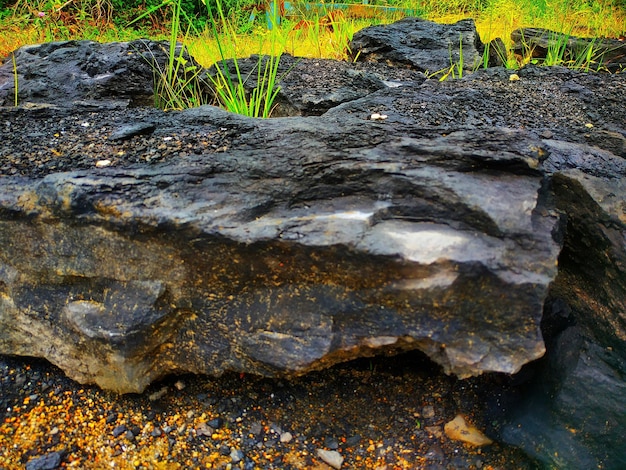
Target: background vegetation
[(305, 32)]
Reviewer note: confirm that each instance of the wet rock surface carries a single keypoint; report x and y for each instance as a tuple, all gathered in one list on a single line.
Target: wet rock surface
[(337, 238), (420, 45), (478, 218), (85, 73)]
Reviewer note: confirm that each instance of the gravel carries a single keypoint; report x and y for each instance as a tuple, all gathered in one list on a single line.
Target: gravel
[(370, 413)]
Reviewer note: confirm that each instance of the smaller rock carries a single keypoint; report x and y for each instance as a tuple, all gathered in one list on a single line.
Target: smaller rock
[(236, 455), (158, 394), (459, 430), (331, 443), (434, 430), (331, 457), (435, 453), (216, 423), (132, 130), (203, 429), (428, 412), (45, 462), (268, 444), (256, 428), (119, 430), (286, 437)]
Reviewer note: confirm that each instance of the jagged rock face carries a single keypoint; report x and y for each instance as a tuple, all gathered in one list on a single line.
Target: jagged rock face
[(87, 73), (334, 240), (421, 45)]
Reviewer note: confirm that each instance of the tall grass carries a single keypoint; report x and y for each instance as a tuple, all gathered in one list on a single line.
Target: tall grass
[(231, 89), (177, 83), (494, 18)]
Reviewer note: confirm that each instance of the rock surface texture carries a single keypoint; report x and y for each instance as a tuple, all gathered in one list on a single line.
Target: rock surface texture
[(603, 53), (210, 242)]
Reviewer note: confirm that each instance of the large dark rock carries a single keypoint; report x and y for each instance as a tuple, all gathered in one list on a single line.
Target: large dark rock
[(310, 87), (477, 218), (571, 418), (421, 45), (594, 53), (71, 73), (334, 239)]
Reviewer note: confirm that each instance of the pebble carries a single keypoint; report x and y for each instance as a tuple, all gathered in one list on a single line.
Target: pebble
[(331, 443), (435, 453), (236, 455), (203, 429), (331, 457), (216, 423), (428, 412), (119, 430), (103, 163), (459, 430), (158, 394), (286, 437), (378, 117), (131, 130), (256, 429), (45, 462)]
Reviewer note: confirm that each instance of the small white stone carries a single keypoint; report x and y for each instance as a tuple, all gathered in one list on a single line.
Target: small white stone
[(378, 117), (180, 385), (286, 437), (103, 163), (331, 457), (513, 77)]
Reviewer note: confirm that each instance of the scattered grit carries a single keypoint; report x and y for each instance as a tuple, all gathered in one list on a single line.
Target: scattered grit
[(384, 413)]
